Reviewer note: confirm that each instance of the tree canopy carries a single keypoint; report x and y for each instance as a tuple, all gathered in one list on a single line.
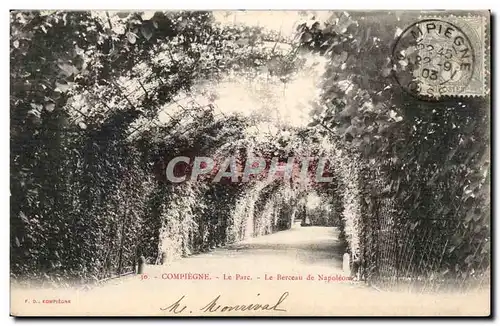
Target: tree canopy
[(101, 101)]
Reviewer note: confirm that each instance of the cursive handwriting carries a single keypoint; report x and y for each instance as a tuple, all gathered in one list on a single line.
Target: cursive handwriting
[(215, 306), (175, 307)]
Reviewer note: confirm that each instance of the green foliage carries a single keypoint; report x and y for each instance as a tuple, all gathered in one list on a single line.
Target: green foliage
[(424, 165), (88, 150)]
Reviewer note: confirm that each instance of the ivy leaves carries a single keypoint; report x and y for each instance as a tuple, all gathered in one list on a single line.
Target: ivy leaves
[(420, 148)]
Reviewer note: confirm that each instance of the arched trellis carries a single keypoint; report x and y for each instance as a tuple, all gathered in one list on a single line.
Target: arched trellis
[(92, 151)]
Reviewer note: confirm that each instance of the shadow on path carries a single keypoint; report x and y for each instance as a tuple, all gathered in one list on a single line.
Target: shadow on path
[(310, 245)]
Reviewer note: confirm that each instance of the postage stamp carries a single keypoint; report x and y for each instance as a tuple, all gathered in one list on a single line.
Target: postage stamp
[(442, 56)]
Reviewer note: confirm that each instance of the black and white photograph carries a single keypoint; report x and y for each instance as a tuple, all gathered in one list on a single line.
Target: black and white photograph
[(210, 163)]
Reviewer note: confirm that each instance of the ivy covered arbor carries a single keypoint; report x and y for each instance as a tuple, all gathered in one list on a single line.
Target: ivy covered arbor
[(424, 166), (97, 114)]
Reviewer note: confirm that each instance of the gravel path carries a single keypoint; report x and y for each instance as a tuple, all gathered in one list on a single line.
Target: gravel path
[(294, 272)]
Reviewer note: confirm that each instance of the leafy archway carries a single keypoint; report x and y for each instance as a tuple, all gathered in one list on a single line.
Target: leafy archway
[(100, 102)]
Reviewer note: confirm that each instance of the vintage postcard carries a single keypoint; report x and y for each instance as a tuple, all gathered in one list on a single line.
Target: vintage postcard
[(250, 163)]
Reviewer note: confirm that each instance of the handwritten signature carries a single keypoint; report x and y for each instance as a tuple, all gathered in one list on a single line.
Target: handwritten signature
[(214, 306)]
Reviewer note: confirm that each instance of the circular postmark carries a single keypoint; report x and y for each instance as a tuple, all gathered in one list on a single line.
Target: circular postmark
[(433, 58)]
